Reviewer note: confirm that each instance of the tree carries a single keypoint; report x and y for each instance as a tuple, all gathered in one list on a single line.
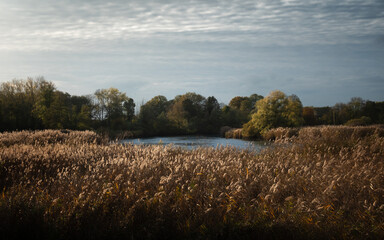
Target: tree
[(355, 106), (375, 111), (100, 104), (294, 112), (129, 109), (36, 104), (113, 108), (212, 115), (59, 115), (254, 98), (17, 100), (309, 116), (237, 101), (152, 116), (324, 115), (240, 110), (186, 112), (229, 116), (341, 113), (43, 103), (276, 110)]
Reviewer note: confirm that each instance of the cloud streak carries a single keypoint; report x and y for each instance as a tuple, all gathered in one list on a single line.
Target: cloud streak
[(64, 24), (222, 48)]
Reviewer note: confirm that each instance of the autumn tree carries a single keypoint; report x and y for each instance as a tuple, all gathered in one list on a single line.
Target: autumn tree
[(276, 110)]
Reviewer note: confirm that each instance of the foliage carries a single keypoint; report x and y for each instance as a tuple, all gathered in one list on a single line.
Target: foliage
[(34, 104), (17, 100), (37, 104), (239, 110), (276, 110), (363, 121), (114, 108), (356, 108), (326, 184), (153, 117), (309, 116), (186, 112), (212, 116)]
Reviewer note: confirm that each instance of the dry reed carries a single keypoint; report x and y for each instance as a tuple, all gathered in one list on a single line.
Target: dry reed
[(327, 183)]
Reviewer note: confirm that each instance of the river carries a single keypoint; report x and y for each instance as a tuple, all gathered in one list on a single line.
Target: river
[(192, 142)]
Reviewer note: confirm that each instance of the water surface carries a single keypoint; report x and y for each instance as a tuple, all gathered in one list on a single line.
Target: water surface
[(192, 142)]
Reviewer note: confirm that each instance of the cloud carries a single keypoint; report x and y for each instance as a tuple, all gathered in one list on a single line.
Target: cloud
[(73, 24), (222, 48)]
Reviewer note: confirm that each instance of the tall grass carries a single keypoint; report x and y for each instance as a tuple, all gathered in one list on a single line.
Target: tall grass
[(234, 133), (326, 183)]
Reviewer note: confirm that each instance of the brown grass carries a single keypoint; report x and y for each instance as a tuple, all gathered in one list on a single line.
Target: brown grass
[(234, 133), (326, 183)]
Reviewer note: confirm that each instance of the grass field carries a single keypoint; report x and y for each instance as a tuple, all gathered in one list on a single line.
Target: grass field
[(313, 183)]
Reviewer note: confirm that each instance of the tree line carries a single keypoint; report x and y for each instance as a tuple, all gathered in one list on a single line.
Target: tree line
[(38, 104)]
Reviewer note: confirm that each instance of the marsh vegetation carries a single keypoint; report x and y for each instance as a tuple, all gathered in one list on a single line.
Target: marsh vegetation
[(327, 183)]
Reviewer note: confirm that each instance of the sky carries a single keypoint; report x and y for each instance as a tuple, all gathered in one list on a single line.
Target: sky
[(323, 51)]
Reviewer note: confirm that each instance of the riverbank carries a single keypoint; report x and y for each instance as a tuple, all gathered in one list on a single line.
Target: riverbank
[(326, 184), (282, 133)]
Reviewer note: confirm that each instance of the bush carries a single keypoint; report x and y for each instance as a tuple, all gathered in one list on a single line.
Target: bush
[(280, 133), (234, 133), (224, 130), (363, 121)]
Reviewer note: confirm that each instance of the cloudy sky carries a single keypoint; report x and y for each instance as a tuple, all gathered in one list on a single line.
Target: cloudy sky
[(324, 51)]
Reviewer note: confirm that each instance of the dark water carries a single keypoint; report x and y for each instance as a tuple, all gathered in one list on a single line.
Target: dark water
[(192, 142)]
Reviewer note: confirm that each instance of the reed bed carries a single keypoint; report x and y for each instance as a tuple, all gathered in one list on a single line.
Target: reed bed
[(234, 133), (75, 185)]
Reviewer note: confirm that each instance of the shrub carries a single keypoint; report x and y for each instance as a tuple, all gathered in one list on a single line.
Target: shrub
[(234, 133), (363, 121)]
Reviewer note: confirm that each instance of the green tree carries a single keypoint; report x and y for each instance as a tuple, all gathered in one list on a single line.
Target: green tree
[(355, 106), (276, 110), (240, 110), (100, 104), (36, 104), (254, 98), (129, 109), (236, 102), (187, 112), (375, 111), (81, 112), (113, 108), (230, 117), (61, 113), (309, 116), (58, 115), (152, 116), (43, 103), (293, 113), (84, 118), (324, 115), (17, 99), (212, 116), (341, 113)]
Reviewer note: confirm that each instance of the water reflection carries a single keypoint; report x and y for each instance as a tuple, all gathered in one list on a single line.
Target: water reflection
[(192, 142)]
